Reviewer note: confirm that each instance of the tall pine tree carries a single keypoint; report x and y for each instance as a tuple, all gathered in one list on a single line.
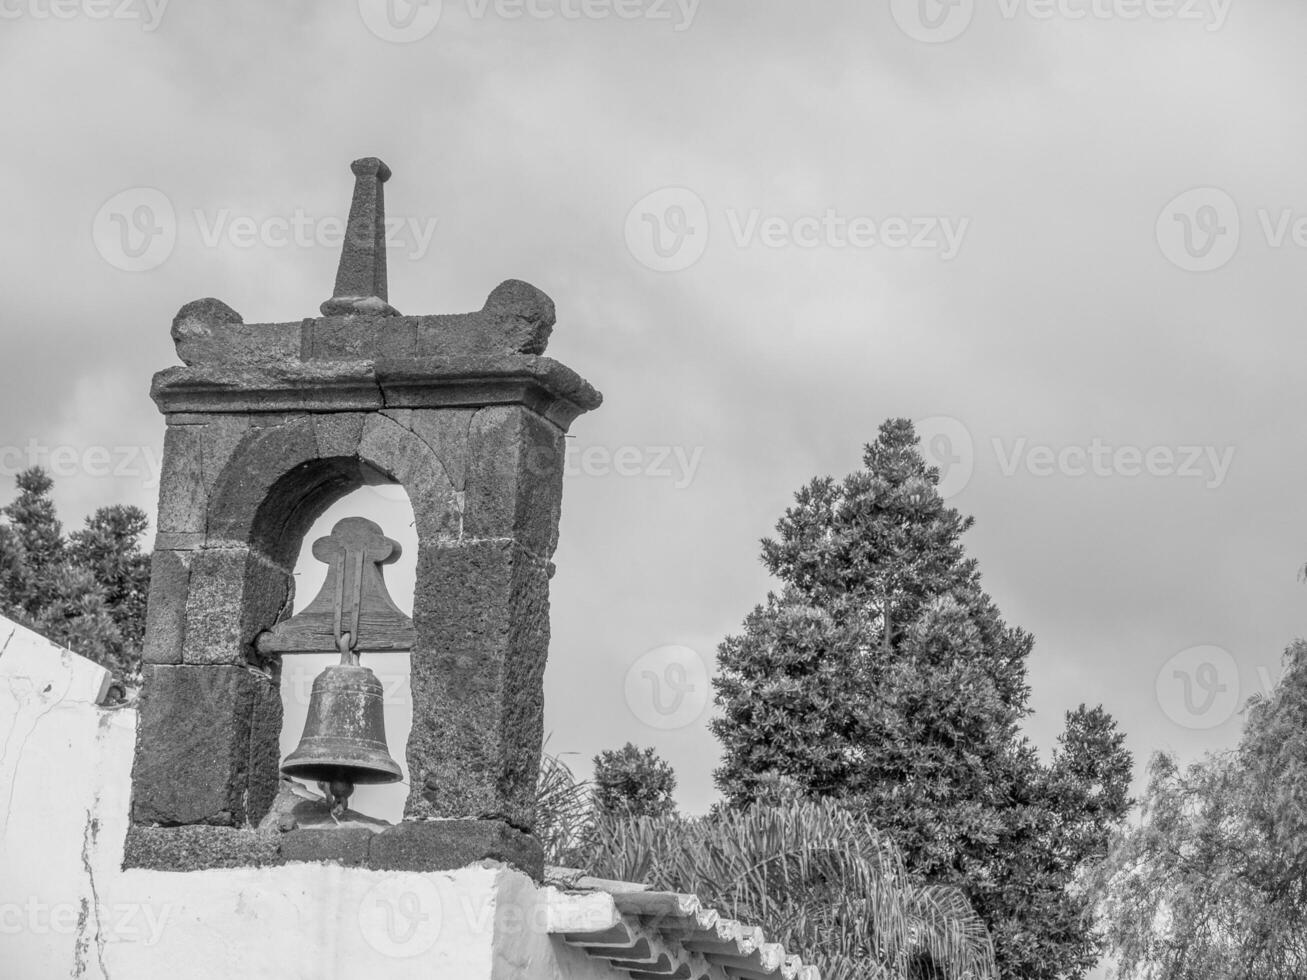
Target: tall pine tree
[(86, 591), (883, 675)]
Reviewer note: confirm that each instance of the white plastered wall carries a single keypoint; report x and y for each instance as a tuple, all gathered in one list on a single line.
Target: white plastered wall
[(67, 909)]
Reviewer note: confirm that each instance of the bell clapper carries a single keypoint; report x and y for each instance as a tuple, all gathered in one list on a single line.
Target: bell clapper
[(337, 792)]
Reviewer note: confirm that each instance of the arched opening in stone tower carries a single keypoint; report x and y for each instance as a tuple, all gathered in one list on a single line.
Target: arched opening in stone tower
[(386, 504)]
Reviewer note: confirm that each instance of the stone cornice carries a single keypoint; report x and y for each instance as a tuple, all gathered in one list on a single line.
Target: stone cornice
[(547, 387)]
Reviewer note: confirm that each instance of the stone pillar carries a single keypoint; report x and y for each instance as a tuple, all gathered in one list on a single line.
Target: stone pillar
[(268, 425)]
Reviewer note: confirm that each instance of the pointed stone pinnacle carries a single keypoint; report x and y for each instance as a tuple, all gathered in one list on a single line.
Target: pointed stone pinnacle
[(361, 280)]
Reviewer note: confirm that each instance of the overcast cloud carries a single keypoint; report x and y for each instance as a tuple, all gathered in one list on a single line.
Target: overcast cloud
[(841, 217)]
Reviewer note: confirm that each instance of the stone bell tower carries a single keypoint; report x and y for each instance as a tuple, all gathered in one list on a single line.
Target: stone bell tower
[(267, 426)]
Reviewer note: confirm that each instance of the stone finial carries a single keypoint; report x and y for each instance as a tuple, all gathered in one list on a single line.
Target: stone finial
[(361, 279), (199, 326)]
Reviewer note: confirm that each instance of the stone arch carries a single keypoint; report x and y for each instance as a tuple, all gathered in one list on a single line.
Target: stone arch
[(279, 479)]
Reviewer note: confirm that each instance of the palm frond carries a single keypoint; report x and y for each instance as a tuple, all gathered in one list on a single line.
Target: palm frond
[(817, 878)]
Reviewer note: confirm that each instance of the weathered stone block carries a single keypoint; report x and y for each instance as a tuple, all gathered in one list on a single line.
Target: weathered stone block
[(517, 318), (397, 337), (339, 433), (438, 845), (222, 435), (274, 386), (523, 315), (165, 617), (446, 432), (344, 846), (344, 337), (446, 845), (198, 848), (193, 759), (208, 331), (449, 335), (183, 495), (482, 617), (399, 453), (179, 541), (514, 483), (241, 495), (235, 594), (266, 720)]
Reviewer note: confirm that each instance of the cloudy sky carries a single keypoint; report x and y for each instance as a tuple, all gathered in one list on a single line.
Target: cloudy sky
[(1069, 236)]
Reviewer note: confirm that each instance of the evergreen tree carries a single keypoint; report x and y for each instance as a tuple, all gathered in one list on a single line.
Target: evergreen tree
[(15, 574), (884, 676), (86, 592), (633, 782), (107, 546), (39, 536), (74, 613)]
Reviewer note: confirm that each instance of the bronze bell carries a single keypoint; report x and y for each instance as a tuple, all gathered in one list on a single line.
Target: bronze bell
[(344, 740)]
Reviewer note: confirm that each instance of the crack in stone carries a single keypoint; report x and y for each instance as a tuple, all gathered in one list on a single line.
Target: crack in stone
[(50, 704), (90, 909)]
